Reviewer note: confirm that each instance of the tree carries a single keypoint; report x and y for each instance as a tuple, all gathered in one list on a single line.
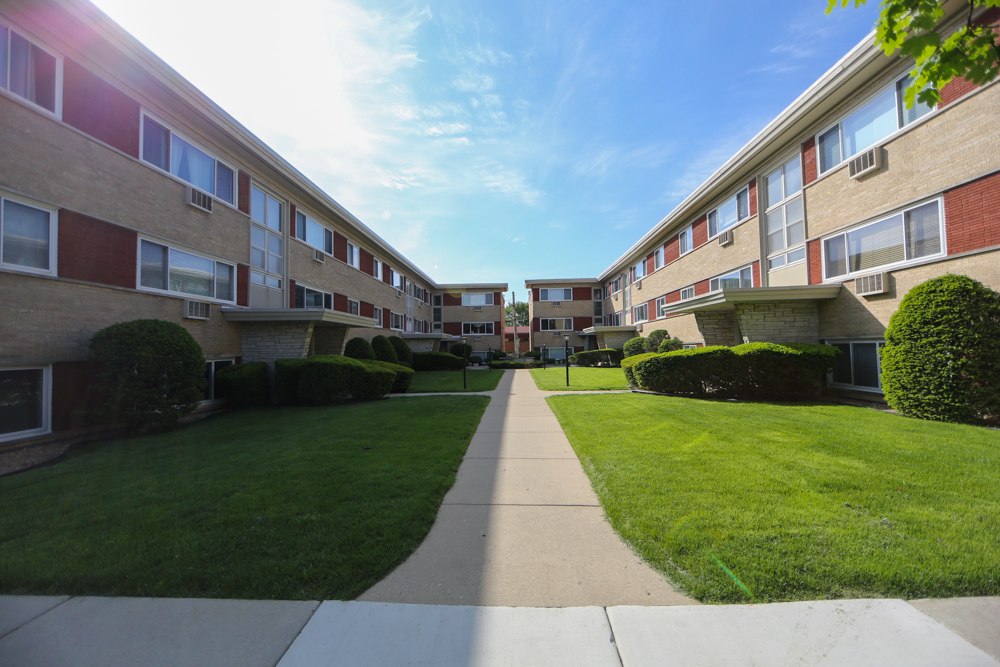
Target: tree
[(913, 27), (522, 314)]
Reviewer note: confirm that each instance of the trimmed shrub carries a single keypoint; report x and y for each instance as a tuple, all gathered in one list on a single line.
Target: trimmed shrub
[(404, 375), (654, 339), (635, 346), (475, 360), (403, 351), (150, 373), (329, 378), (384, 351), (437, 361), (243, 385), (629, 362), (670, 345), (461, 350), (703, 371), (359, 348), (513, 365), (610, 356), (533, 354), (769, 370), (941, 360), (286, 380), (499, 354)]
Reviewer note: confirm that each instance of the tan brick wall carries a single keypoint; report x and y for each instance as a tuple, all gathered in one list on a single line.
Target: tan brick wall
[(718, 327), (944, 151), (684, 327), (49, 319)]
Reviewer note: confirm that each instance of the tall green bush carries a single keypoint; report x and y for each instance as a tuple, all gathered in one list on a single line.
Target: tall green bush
[(243, 385), (461, 350), (770, 370), (629, 362), (670, 345), (634, 346), (403, 351), (286, 380), (150, 373), (941, 359), (404, 375), (330, 378), (702, 371), (384, 351), (654, 339), (359, 348)]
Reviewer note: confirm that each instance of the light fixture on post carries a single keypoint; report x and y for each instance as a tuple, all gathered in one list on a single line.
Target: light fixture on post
[(465, 362), (489, 356), (567, 359), (543, 355)]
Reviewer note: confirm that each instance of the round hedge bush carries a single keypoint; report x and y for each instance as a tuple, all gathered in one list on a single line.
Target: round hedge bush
[(941, 359), (461, 350), (359, 348), (403, 351), (635, 346), (384, 351), (670, 345), (654, 339), (151, 373)]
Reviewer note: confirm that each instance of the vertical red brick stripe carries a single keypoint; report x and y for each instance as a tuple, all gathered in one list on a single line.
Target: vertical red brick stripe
[(367, 309), (96, 251), (972, 215), (699, 231), (498, 298), (580, 323), (291, 218), (756, 273), (386, 318), (291, 293), (536, 324), (701, 287), (452, 299), (815, 258), (674, 296), (94, 106), (243, 285), (243, 202), (453, 328), (809, 160), (671, 249), (367, 262), (534, 294), (340, 302), (753, 196), (340, 246), (582, 294)]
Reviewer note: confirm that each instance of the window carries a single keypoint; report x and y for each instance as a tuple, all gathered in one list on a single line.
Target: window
[(27, 70), (640, 313), (627, 299), (396, 321), (313, 233), (687, 293), (557, 324), (738, 278), (400, 283), (25, 397), (211, 391), (658, 258), (353, 256), (734, 210), (598, 293), (436, 312), (306, 297), (639, 270), (661, 307), (378, 316), (555, 294), (614, 320), (874, 121), (477, 328), (784, 218), (912, 234), (266, 242), (170, 270), (684, 244), (393, 277), (353, 307), (166, 150), (27, 236), (598, 309), (376, 268), (615, 286), (858, 365), (472, 299)]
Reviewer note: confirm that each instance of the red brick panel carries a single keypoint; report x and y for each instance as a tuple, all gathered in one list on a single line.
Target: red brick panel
[(815, 258), (497, 328), (534, 294), (671, 249), (96, 251), (809, 161), (701, 287), (243, 285), (340, 247), (753, 196), (674, 296), (367, 309), (583, 294), (243, 201), (580, 323), (386, 278), (386, 318), (452, 299), (958, 87), (291, 293), (453, 328), (972, 212), (699, 231), (340, 302), (367, 262), (94, 106), (650, 264), (651, 309), (756, 273), (71, 381), (536, 324), (498, 298)]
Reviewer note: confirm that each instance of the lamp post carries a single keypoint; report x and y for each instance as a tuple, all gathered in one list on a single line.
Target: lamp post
[(465, 362), (567, 360), (543, 355), (489, 357)]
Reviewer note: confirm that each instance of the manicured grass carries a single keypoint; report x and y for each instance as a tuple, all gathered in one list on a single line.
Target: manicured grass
[(430, 381), (279, 503), (553, 378), (796, 501)]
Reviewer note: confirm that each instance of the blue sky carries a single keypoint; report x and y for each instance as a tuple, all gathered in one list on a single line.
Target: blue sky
[(500, 141)]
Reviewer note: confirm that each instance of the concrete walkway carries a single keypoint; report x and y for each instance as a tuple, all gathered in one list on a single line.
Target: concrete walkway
[(522, 526)]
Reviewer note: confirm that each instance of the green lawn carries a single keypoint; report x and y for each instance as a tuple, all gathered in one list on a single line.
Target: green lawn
[(553, 378), (433, 381), (793, 501), (280, 503)]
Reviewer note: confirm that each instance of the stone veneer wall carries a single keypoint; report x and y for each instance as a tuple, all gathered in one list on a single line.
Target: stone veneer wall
[(778, 322), (718, 327), (615, 339), (267, 341), (329, 339)]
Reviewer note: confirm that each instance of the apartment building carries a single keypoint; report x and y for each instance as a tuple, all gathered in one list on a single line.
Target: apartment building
[(561, 308), (820, 225), (126, 193)]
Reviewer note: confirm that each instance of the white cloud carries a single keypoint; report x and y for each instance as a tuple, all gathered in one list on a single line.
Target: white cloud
[(473, 82), (511, 183)]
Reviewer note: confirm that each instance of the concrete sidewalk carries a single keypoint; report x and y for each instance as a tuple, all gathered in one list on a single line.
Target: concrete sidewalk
[(522, 526), (125, 632)]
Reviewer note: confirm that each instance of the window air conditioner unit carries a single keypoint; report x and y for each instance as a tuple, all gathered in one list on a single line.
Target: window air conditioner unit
[(477, 308), (874, 283), (866, 163), (200, 200), (477, 338), (638, 327), (318, 256), (197, 310), (638, 284), (557, 303), (726, 238)]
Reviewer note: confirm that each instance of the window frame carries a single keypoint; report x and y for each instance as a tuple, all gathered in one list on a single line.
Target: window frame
[(356, 308), (268, 232), (690, 290), (565, 320), (739, 271), (53, 213), (549, 290), (353, 250), (376, 268), (849, 275), (688, 234), (715, 209), (644, 307), (488, 329), (483, 294), (143, 115), (377, 316), (46, 426), (639, 270), (658, 258), (57, 97), (769, 207), (301, 229), (392, 321), (879, 345), (184, 295), (210, 389), (661, 307), (327, 296)]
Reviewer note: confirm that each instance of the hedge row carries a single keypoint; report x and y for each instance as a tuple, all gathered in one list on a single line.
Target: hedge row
[(609, 355), (437, 361), (243, 385), (329, 378), (404, 375), (753, 370)]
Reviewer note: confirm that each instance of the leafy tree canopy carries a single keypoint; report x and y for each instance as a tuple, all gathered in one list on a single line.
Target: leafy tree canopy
[(522, 313), (913, 27)]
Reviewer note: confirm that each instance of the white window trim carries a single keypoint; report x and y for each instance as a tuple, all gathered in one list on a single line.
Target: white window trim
[(402, 321), (285, 210), (53, 269), (550, 289), (689, 287), (635, 310), (211, 381), (357, 254), (739, 221), (315, 289), (197, 144), (553, 319), (878, 362), (689, 231), (658, 258), (376, 268), (6, 92), (184, 295), (351, 300), (484, 304), (470, 333), (318, 221), (661, 305), (377, 316), (762, 193), (942, 227), (737, 270), (46, 427)]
